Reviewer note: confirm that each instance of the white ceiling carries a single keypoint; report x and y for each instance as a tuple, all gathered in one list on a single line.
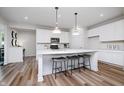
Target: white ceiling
[(46, 15)]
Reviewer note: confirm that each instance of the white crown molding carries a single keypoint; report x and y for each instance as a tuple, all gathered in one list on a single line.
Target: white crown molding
[(106, 22)]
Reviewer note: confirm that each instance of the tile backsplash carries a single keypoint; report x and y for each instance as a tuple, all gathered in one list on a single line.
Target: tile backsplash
[(47, 46)]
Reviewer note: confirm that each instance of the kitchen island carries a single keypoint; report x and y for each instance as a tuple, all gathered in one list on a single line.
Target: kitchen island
[(45, 64)]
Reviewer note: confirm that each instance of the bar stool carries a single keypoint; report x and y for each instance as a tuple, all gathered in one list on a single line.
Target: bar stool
[(55, 67), (87, 63), (81, 63), (71, 59)]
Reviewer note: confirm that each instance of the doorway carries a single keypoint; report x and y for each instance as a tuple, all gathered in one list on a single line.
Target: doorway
[(1, 46)]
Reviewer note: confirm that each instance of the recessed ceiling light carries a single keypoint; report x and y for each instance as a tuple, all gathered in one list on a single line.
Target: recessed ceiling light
[(26, 18), (101, 15)]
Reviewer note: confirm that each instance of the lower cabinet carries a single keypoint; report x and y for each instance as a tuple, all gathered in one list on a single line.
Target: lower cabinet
[(15, 54), (114, 57)]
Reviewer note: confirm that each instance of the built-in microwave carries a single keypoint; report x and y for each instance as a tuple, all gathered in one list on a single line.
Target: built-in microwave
[(55, 40)]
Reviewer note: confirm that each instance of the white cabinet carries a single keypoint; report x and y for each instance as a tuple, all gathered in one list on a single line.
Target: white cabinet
[(110, 32), (43, 36), (94, 32), (15, 54), (119, 27), (114, 57), (113, 31), (78, 41), (64, 37)]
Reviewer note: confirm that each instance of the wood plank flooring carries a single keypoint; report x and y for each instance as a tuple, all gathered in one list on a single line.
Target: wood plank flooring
[(19, 73), (25, 74)]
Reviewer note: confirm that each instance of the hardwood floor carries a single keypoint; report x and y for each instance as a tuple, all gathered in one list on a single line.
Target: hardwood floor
[(19, 73), (25, 74)]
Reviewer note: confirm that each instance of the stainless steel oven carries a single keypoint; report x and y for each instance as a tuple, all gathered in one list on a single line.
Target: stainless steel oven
[(54, 46)]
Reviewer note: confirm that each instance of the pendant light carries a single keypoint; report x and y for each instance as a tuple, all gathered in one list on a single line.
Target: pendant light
[(75, 30), (56, 30)]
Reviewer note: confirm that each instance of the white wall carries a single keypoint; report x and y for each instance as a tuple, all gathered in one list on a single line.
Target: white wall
[(28, 40), (7, 44), (8, 47)]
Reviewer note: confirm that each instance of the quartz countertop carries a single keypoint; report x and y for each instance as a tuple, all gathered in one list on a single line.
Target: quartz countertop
[(64, 51)]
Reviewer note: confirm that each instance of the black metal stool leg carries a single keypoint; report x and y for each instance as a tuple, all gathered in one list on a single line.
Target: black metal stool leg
[(89, 63), (61, 66), (52, 67), (67, 64), (65, 68), (55, 69), (79, 64), (71, 66), (74, 63), (84, 63)]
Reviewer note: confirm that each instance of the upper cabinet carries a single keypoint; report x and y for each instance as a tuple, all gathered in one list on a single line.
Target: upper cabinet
[(110, 32), (119, 27), (107, 32), (78, 41), (44, 36), (94, 32), (64, 37)]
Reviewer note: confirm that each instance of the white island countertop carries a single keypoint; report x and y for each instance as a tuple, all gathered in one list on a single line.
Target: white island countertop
[(44, 56), (63, 51), (66, 51)]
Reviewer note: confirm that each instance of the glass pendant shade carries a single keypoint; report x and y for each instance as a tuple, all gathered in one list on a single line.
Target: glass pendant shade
[(56, 30), (76, 29)]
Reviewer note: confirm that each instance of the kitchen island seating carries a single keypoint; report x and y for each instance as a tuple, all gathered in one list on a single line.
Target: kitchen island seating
[(44, 58), (72, 59), (83, 61), (57, 65), (87, 62)]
